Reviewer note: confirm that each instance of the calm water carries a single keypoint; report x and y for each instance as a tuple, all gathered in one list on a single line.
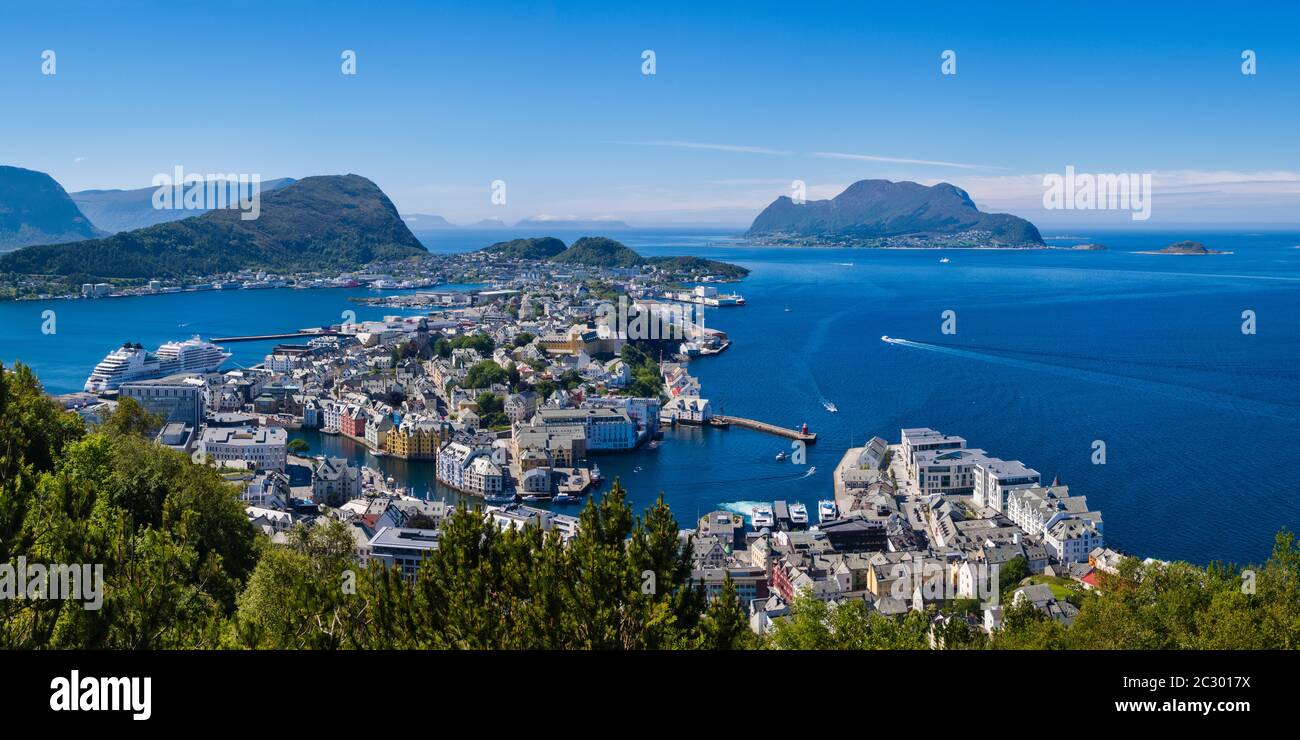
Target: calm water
[(1053, 351)]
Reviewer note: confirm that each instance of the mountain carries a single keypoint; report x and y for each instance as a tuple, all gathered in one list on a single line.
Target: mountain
[(561, 224), (332, 222), (488, 223), (115, 211), (34, 209), (427, 222), (539, 248), (883, 213), (599, 251)]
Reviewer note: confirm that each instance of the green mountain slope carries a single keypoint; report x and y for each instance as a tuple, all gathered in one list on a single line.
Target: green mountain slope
[(34, 209), (319, 223)]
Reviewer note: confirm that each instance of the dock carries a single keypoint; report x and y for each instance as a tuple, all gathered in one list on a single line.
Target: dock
[(267, 337), (762, 426)]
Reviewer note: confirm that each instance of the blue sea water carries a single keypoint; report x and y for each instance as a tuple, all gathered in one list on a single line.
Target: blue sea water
[(1054, 351)]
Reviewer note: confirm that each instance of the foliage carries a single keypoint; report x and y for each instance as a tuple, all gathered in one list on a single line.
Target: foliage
[(491, 411), (171, 537), (647, 382), (851, 625), (484, 374)]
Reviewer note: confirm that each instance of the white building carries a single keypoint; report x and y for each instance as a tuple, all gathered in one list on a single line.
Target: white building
[(1070, 540), (261, 448), (605, 429), (1036, 509), (689, 409), (995, 479)]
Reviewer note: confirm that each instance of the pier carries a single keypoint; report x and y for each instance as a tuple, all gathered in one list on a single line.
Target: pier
[(762, 426), (267, 337)]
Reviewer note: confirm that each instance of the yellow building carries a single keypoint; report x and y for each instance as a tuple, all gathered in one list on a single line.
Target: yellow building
[(413, 440)]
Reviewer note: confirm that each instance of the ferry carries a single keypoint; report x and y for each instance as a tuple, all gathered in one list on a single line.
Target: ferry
[(131, 362), (826, 510), (798, 515), (761, 517)]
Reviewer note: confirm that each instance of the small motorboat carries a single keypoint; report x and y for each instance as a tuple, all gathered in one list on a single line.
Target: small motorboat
[(596, 477), (500, 498), (830, 407), (944, 261), (565, 498), (780, 456)]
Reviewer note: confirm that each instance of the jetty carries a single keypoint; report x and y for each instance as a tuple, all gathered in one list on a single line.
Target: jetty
[(266, 337), (761, 426)]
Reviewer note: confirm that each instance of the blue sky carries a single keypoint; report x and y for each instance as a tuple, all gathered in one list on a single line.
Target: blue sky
[(549, 97)]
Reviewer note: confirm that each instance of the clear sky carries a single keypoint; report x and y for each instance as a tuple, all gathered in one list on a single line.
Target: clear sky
[(747, 97)]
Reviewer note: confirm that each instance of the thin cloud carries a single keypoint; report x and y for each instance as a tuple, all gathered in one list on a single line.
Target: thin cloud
[(715, 147), (904, 160)]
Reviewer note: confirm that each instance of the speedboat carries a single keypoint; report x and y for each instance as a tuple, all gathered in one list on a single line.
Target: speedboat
[(565, 498), (944, 261), (798, 514), (761, 516), (780, 456), (826, 510), (830, 407)]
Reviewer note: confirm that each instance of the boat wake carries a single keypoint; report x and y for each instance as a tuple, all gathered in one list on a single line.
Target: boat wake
[(829, 406), (1213, 399)]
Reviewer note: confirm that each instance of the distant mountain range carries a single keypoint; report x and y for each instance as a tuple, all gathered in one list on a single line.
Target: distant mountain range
[(331, 222), (600, 251), (426, 222), (123, 210), (880, 213), (34, 209), (564, 224)]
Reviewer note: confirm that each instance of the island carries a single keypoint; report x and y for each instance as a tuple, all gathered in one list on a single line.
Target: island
[(1185, 247), (897, 215)]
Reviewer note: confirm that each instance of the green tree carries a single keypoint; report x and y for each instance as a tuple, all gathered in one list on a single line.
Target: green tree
[(724, 626), (485, 373)]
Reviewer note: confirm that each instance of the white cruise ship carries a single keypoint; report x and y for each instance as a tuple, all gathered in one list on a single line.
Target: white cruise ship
[(131, 362)]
